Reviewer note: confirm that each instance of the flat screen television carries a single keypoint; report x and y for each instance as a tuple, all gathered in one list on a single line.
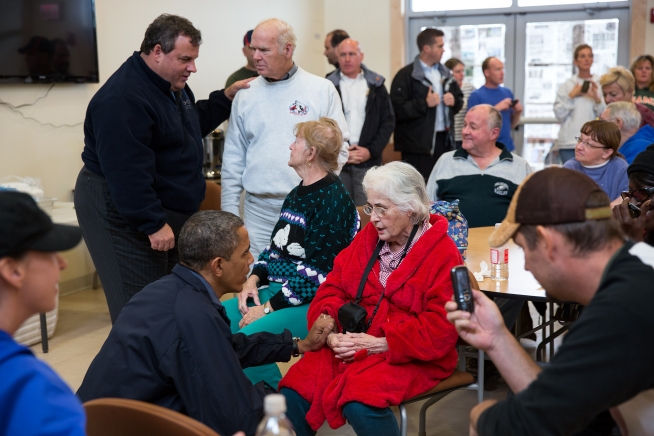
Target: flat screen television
[(45, 41)]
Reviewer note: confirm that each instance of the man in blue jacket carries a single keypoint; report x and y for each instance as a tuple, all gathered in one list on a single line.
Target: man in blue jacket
[(34, 400), (172, 344), (142, 175)]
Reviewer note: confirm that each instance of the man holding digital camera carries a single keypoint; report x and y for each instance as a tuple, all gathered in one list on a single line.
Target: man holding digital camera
[(562, 220)]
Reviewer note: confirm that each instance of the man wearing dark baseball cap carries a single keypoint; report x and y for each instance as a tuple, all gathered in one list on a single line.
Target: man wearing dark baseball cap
[(35, 400), (249, 70), (577, 252)]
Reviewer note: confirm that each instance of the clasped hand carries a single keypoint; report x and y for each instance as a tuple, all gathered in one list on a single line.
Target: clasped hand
[(345, 345)]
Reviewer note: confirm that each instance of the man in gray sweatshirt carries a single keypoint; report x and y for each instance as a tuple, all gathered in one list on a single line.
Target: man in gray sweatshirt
[(256, 152)]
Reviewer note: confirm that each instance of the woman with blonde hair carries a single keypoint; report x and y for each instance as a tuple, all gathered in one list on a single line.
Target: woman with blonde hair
[(618, 84), (318, 219), (596, 155)]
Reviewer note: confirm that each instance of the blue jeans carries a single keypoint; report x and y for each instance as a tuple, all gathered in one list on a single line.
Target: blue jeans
[(363, 419)]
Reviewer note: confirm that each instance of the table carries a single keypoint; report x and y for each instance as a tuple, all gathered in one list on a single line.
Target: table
[(521, 283)]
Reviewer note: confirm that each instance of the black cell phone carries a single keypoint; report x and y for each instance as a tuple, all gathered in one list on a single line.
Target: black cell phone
[(634, 211), (462, 291), (585, 86), (514, 102)]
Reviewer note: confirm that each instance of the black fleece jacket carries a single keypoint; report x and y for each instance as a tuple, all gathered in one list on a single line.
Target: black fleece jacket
[(148, 146)]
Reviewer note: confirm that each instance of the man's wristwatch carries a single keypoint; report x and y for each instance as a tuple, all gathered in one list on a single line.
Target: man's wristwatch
[(296, 347)]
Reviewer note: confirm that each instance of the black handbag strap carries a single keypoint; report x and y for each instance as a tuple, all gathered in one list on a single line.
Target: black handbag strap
[(372, 261)]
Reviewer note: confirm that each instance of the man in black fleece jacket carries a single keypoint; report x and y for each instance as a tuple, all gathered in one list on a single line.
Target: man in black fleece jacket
[(142, 175), (578, 253)]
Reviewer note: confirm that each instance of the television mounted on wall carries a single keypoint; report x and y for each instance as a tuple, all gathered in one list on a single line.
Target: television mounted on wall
[(47, 41)]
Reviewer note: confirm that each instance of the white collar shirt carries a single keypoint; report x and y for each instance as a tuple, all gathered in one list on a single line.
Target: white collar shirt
[(434, 76), (354, 93)]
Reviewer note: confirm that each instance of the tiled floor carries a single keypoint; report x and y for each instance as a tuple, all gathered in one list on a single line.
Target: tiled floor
[(84, 325)]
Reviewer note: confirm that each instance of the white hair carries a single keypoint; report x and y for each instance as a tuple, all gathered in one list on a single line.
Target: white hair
[(402, 185), (285, 33), (627, 112)]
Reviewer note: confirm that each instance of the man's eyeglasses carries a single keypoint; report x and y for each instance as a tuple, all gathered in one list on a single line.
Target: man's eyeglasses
[(641, 194), (380, 211), (586, 144)]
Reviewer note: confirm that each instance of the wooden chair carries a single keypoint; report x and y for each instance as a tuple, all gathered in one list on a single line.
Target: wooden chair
[(119, 416), (212, 200), (458, 380)]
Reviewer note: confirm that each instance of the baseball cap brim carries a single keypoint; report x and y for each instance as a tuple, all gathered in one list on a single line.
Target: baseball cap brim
[(503, 233), (60, 238)]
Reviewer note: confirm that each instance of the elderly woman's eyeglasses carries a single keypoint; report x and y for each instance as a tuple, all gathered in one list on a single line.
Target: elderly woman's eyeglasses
[(380, 211), (641, 194), (586, 143)]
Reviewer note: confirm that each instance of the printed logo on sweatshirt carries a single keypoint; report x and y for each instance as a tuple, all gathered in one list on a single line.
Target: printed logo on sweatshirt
[(501, 188), (298, 108)]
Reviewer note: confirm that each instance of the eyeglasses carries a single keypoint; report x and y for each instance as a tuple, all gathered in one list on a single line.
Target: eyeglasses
[(641, 194), (380, 211), (586, 144)]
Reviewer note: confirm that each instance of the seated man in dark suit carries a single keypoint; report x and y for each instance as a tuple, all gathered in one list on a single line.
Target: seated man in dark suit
[(172, 346)]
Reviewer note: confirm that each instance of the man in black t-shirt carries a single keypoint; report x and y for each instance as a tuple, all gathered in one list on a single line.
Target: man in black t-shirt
[(562, 220)]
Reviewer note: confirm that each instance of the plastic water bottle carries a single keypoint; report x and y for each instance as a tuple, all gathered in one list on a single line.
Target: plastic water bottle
[(275, 422), (499, 261)]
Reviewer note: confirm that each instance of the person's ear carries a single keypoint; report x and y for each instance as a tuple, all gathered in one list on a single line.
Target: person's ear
[(288, 50), (157, 53), (619, 123), (218, 266), (494, 133), (548, 243), (12, 271), (607, 153), (311, 152)]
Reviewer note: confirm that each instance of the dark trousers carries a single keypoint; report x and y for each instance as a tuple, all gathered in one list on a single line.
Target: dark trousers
[(424, 163), (122, 255)]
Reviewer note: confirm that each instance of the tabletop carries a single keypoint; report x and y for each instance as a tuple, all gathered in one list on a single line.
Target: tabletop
[(521, 283)]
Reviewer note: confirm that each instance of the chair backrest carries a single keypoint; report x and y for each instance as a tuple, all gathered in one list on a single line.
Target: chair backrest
[(119, 416), (212, 200)]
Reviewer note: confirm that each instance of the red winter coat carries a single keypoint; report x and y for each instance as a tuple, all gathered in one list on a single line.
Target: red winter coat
[(421, 342)]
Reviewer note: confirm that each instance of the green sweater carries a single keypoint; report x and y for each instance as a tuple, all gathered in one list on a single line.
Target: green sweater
[(316, 223)]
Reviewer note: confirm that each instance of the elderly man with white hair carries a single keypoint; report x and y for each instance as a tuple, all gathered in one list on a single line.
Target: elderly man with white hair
[(261, 129), (633, 139)]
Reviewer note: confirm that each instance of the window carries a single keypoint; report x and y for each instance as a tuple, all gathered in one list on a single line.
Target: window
[(460, 5)]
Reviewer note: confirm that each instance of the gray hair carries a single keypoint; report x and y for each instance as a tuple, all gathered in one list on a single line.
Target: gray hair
[(207, 235), (627, 112), (494, 116), (402, 185), (285, 33)]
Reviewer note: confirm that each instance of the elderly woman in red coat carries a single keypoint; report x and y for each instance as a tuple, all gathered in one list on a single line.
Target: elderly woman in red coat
[(409, 346)]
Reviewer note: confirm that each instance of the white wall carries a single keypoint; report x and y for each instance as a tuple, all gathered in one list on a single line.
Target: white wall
[(649, 30), (367, 21), (27, 148)]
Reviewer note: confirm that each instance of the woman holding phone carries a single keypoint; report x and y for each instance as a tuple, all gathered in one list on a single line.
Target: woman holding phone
[(578, 100)]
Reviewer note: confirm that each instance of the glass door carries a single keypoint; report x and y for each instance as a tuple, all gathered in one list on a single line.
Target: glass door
[(471, 39), (544, 62)]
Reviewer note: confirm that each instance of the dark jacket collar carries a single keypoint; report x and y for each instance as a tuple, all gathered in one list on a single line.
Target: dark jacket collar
[(460, 153), (186, 275), (371, 77), (158, 81), (419, 74)]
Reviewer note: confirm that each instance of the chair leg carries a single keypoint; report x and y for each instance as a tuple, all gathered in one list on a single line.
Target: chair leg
[(44, 333), (462, 358), (422, 431), (404, 423), (480, 375)]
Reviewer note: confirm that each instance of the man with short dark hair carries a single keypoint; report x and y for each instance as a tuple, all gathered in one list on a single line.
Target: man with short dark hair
[(35, 401), (368, 112), (332, 40), (142, 176), (425, 98), (172, 344), (498, 96), (249, 70), (577, 252)]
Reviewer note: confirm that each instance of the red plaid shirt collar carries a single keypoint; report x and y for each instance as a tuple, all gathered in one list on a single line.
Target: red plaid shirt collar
[(389, 261)]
